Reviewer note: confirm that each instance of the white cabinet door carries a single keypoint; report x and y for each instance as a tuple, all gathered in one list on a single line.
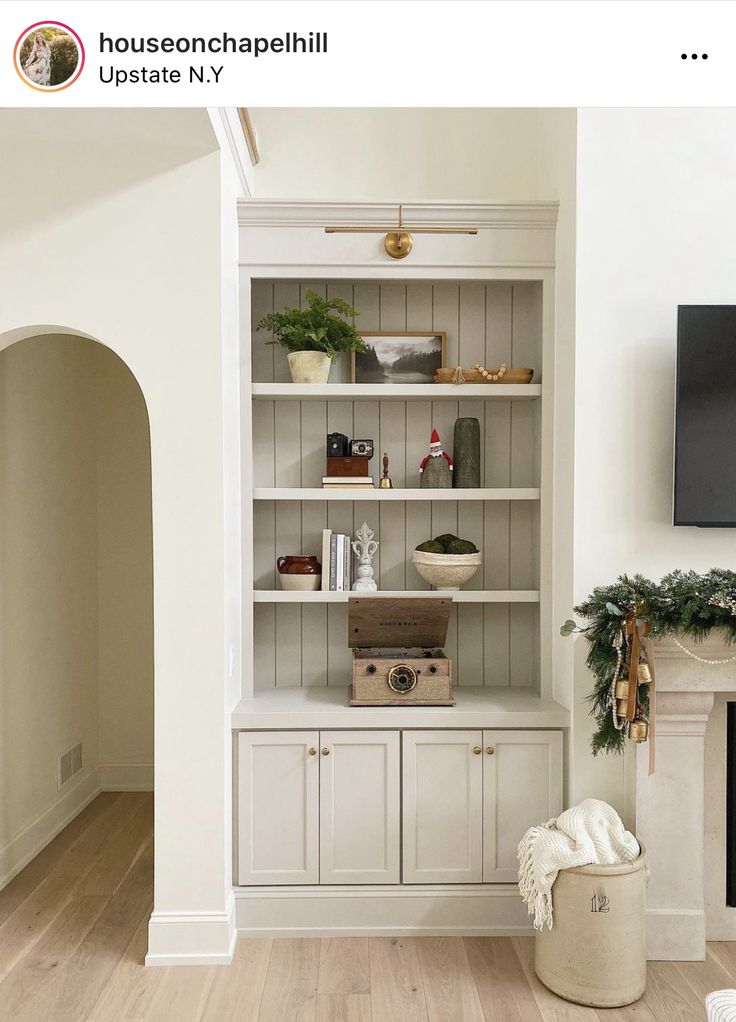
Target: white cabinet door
[(278, 807), (442, 790), (359, 807), (522, 787)]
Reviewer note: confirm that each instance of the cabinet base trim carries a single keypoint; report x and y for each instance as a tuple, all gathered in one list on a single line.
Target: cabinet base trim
[(468, 910)]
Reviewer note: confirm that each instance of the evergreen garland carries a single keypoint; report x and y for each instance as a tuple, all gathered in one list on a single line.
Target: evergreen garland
[(683, 601)]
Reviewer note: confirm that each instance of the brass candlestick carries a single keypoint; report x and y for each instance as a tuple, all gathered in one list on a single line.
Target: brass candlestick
[(384, 483)]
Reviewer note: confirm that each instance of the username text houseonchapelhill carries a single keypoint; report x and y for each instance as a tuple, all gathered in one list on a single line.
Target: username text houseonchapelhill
[(288, 43)]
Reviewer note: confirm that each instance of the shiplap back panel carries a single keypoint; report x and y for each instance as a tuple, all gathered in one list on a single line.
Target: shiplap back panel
[(487, 322)]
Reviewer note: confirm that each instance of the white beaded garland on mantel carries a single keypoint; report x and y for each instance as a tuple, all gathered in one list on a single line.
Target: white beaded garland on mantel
[(702, 659)]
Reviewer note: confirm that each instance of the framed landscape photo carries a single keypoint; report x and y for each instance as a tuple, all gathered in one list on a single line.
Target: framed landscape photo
[(399, 357)]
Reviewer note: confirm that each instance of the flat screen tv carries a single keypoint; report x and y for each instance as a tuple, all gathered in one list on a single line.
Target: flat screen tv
[(705, 417)]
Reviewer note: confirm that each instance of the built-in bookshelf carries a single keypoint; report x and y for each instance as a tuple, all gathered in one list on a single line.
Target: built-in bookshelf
[(300, 638), (493, 295)]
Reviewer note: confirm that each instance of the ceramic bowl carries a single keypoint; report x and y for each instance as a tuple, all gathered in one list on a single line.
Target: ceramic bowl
[(301, 583), (446, 571)]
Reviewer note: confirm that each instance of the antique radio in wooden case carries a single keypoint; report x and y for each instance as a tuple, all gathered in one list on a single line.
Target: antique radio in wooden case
[(397, 651)]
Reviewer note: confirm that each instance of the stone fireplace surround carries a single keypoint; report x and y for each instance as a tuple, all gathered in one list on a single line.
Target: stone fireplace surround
[(680, 809)]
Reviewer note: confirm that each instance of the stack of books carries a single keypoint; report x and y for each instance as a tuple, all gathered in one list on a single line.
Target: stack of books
[(337, 562), (347, 483), (347, 474)]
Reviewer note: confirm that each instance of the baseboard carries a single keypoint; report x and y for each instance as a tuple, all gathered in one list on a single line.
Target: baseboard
[(436, 911), (126, 776), (192, 938), (675, 936), (34, 836)]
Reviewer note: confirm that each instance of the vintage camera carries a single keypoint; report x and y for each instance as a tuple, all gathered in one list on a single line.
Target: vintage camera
[(338, 445), (361, 448)]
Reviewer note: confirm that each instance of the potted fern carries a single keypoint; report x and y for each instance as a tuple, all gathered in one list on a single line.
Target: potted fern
[(313, 336)]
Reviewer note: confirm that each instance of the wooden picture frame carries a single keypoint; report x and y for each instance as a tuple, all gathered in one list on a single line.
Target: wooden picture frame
[(439, 338)]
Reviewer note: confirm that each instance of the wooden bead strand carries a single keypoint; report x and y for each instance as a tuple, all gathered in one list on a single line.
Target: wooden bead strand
[(488, 374)]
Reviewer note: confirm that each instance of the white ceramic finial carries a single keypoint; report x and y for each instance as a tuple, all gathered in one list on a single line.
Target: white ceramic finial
[(365, 547)]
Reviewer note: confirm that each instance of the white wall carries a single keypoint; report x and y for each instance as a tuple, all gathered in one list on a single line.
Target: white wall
[(77, 635), (124, 577), (382, 154), (113, 232), (656, 228), (48, 587)]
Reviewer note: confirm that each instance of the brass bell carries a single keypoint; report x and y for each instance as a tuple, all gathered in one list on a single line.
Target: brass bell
[(643, 674), (638, 730), (384, 483), (622, 689), (621, 695)]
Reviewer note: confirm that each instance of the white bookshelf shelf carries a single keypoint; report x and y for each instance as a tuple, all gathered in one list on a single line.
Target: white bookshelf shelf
[(328, 707), (461, 596), (317, 493), (389, 392)]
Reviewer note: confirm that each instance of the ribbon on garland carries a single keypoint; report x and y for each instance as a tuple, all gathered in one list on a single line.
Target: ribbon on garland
[(632, 628), (649, 651), (638, 632)]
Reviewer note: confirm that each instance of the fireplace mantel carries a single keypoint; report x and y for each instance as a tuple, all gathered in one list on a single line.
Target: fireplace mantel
[(677, 672), (670, 803)]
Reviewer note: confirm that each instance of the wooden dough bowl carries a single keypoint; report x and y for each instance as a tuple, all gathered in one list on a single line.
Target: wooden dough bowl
[(473, 376)]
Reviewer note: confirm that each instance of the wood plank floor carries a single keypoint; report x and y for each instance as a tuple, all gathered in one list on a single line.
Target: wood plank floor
[(73, 938)]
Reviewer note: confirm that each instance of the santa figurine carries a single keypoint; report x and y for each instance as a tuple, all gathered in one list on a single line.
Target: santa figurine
[(436, 468)]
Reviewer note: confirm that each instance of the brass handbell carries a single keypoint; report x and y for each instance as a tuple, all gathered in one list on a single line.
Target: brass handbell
[(384, 483)]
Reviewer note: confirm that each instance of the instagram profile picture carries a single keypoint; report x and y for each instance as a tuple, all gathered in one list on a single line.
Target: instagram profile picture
[(48, 56)]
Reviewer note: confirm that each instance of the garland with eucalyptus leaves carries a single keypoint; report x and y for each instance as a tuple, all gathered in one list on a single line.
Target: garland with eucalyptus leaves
[(683, 601)]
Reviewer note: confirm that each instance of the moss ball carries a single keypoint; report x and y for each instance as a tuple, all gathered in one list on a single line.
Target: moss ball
[(444, 540), (462, 546), (431, 546)]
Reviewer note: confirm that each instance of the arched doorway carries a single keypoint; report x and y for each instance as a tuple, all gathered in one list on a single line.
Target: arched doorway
[(76, 628)]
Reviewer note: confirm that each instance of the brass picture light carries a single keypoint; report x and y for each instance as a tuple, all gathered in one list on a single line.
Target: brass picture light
[(398, 241)]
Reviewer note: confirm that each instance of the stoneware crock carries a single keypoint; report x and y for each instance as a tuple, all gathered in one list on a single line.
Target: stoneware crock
[(299, 573)]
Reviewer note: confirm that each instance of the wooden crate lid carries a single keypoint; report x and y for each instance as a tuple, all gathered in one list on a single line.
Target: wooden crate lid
[(397, 621)]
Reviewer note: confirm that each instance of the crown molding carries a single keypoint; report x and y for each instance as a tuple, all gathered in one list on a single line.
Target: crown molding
[(485, 216), (249, 134)]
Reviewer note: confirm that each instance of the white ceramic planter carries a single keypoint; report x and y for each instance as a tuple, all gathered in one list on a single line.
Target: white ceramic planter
[(309, 366), (446, 571)]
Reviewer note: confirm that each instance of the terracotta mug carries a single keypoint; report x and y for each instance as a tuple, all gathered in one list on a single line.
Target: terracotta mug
[(299, 573)]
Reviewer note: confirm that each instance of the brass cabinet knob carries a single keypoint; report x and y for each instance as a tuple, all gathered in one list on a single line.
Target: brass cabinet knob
[(490, 750), (477, 750), (325, 752), (312, 751)]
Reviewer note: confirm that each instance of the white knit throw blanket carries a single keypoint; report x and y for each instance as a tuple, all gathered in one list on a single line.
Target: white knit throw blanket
[(590, 832), (720, 1006)]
